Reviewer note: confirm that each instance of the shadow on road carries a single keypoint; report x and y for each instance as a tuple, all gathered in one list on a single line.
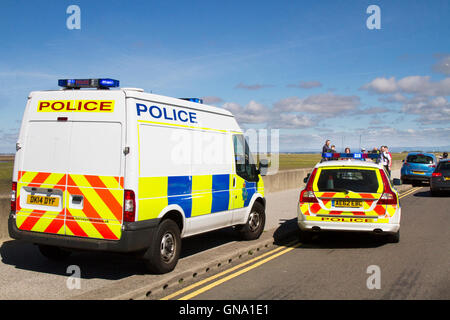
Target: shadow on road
[(328, 239), (427, 194), (102, 265)]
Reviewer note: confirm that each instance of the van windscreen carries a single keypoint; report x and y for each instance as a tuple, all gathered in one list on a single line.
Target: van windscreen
[(342, 179)]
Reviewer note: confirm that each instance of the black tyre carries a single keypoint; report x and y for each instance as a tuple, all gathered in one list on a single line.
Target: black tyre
[(54, 253), (434, 193), (255, 224), (394, 237), (164, 251), (305, 236)]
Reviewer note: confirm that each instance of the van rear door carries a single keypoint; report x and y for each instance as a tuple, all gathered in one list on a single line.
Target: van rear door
[(71, 165)]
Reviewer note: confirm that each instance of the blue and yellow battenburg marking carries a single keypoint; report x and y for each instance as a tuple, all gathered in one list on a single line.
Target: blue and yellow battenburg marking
[(196, 195)]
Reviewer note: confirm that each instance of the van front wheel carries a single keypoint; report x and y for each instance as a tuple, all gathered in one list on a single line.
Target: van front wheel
[(164, 251), (255, 224)]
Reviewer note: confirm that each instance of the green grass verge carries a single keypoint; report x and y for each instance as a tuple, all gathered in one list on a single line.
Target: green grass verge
[(6, 170)]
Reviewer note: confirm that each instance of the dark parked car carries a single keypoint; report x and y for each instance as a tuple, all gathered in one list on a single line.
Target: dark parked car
[(440, 179)]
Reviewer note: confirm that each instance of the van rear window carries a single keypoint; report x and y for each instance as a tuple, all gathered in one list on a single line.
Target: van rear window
[(340, 180), (419, 158)]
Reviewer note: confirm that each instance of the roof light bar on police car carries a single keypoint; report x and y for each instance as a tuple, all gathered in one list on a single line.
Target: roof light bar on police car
[(104, 83), (357, 155)]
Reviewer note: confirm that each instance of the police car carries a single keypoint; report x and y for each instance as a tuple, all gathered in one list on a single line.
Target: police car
[(348, 194), (128, 171)]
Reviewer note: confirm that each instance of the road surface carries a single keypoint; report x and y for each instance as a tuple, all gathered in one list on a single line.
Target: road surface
[(345, 266)]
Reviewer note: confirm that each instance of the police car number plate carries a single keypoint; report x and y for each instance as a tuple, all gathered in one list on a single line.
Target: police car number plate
[(43, 200), (347, 203), (447, 178)]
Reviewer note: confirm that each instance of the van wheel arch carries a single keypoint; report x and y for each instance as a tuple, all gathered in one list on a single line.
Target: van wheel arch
[(174, 216)]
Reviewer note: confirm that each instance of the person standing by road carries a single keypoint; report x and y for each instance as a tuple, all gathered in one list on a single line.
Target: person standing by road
[(386, 159), (390, 158), (326, 147)]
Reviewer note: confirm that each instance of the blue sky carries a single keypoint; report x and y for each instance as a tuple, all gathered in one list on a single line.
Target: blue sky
[(309, 68)]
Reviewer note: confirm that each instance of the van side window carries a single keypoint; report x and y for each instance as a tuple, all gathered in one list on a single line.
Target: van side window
[(245, 165)]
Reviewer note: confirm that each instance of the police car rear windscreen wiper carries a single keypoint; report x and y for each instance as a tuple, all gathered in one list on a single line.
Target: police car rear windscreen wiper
[(337, 190)]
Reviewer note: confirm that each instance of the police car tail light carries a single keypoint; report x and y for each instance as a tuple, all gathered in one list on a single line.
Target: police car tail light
[(436, 174), (307, 194), (129, 206), (13, 196), (388, 197)]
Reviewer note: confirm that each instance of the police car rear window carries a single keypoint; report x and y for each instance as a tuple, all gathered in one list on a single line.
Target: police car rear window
[(419, 158), (346, 180)]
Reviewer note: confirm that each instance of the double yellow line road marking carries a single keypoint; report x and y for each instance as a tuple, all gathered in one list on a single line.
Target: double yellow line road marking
[(407, 193), (272, 255), (253, 263)]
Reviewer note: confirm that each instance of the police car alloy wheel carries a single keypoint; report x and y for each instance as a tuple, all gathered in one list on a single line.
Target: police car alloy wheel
[(164, 251)]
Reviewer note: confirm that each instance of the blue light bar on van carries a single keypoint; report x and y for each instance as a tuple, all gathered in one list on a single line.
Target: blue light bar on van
[(358, 155), (196, 100), (88, 83)]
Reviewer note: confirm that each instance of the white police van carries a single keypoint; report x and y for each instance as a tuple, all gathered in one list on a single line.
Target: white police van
[(128, 171)]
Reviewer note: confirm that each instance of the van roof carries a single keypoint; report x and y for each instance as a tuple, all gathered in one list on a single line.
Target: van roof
[(137, 94)]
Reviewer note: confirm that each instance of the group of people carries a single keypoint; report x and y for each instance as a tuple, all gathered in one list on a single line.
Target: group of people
[(384, 158)]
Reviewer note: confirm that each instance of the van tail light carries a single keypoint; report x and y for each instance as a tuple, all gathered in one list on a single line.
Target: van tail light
[(436, 174), (13, 196), (129, 206), (432, 166), (388, 197), (307, 194)]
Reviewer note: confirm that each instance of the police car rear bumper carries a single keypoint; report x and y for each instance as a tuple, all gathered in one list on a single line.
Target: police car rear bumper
[(348, 226), (135, 236)]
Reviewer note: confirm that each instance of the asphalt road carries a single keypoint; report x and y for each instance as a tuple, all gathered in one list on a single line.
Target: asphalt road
[(333, 267), (339, 266)]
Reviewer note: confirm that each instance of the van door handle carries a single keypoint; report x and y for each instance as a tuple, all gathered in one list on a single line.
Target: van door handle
[(234, 182)]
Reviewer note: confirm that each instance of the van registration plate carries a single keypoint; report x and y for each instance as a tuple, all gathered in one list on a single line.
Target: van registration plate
[(43, 200), (347, 203)]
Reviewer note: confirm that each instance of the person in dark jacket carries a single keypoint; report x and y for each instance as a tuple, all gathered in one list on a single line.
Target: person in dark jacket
[(326, 147)]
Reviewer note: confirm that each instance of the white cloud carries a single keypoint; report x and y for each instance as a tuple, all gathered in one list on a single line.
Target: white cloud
[(252, 86), (443, 65), (306, 85), (381, 85), (253, 112), (411, 85), (326, 103)]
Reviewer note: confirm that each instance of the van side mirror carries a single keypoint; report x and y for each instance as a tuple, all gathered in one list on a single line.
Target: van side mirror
[(397, 182), (305, 180), (263, 167)]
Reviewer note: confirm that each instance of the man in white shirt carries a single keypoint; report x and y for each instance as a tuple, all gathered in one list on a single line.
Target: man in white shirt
[(386, 159)]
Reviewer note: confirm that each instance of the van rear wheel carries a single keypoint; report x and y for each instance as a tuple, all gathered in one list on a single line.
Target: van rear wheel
[(54, 253), (164, 251), (255, 224)]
